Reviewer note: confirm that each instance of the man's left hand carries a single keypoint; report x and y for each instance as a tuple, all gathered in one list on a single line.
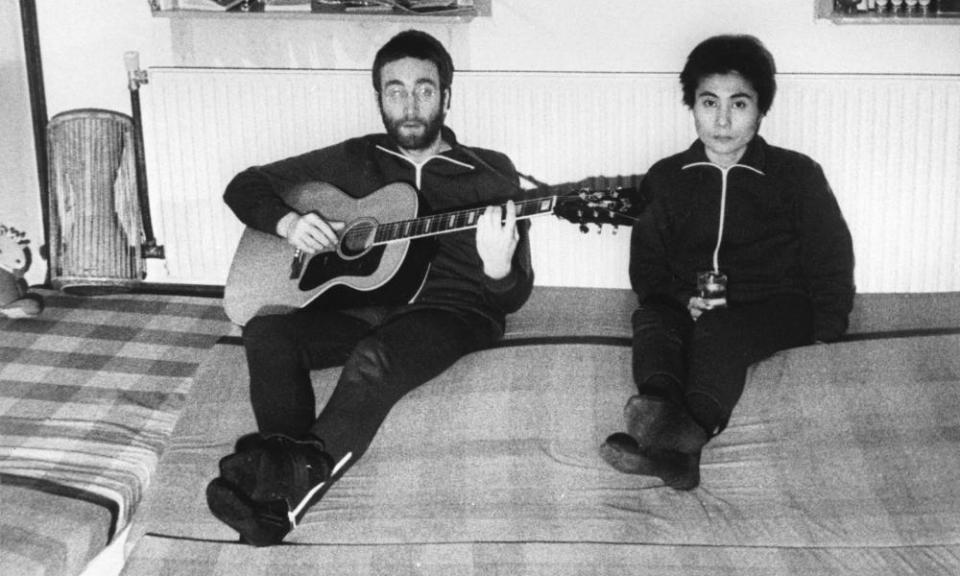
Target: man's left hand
[(497, 239)]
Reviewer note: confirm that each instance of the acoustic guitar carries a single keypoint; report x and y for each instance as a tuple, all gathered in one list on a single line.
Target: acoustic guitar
[(382, 256)]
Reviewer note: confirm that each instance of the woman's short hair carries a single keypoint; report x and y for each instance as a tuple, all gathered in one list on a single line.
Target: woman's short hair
[(743, 54), (414, 44)]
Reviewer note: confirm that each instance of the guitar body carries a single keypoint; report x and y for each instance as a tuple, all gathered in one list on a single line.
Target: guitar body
[(260, 280)]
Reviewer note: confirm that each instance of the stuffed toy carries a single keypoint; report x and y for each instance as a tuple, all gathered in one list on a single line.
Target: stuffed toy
[(15, 301)]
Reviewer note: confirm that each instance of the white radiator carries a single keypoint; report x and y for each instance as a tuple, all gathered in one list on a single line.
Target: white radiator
[(890, 146)]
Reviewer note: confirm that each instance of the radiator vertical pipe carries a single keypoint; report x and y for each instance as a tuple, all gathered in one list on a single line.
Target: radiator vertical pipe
[(136, 77)]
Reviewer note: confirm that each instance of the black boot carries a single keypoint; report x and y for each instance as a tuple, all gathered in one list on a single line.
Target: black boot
[(662, 440), (266, 486), (660, 423)]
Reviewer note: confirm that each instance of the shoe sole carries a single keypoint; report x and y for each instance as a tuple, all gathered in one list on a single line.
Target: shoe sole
[(238, 512), (626, 457), (676, 470)]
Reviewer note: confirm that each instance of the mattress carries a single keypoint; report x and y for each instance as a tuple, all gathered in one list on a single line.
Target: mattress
[(840, 459)]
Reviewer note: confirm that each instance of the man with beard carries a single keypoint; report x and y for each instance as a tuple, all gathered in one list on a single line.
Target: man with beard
[(475, 278)]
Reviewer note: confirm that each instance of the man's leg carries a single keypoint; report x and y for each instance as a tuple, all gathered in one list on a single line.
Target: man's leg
[(267, 482), (281, 350), (266, 487), (407, 350)]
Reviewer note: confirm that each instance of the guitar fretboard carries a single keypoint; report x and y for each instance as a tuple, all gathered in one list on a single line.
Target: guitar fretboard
[(454, 221)]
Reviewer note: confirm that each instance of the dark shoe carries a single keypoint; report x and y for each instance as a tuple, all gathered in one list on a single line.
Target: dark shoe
[(677, 470), (623, 453), (659, 423), (662, 440), (267, 485), (258, 523)]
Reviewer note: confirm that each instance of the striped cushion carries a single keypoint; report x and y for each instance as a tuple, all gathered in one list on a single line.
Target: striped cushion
[(89, 392)]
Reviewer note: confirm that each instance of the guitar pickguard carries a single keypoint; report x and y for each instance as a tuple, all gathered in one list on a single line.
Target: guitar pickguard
[(328, 266), (398, 288)]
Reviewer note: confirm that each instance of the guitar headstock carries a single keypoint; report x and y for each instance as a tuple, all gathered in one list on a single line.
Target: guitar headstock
[(588, 206)]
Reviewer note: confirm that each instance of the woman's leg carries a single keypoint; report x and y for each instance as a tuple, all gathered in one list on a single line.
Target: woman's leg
[(660, 331), (726, 342)]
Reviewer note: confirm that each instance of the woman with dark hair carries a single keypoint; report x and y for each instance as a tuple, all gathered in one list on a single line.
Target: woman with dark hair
[(742, 251)]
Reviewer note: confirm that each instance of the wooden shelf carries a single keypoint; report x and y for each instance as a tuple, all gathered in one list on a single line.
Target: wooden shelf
[(210, 9), (937, 12)]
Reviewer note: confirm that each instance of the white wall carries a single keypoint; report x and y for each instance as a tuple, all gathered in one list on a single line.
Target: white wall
[(18, 170), (83, 45), (655, 36), (614, 35)]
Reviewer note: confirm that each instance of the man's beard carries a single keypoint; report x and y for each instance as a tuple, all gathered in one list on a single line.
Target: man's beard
[(415, 142)]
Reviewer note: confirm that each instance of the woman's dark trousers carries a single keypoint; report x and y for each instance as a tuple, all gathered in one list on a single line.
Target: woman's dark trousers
[(703, 364)]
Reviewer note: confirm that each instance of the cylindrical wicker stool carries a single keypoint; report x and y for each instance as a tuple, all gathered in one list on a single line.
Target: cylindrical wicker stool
[(95, 219)]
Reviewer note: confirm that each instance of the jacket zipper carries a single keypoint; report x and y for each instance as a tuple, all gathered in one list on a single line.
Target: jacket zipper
[(723, 202), (418, 167)]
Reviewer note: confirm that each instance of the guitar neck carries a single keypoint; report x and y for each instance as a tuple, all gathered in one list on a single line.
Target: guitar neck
[(454, 221)]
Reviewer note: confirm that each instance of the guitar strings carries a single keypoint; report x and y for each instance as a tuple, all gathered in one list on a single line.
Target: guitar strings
[(389, 231), (438, 223)]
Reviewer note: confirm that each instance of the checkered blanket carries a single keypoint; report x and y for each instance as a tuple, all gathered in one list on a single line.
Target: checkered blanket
[(89, 392)]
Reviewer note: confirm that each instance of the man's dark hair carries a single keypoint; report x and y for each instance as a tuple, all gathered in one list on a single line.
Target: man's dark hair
[(743, 54), (414, 44)]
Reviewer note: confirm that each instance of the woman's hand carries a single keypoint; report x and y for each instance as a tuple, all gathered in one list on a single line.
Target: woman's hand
[(697, 306)]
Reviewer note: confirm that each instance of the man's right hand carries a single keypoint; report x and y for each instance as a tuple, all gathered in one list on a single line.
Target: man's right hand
[(310, 233)]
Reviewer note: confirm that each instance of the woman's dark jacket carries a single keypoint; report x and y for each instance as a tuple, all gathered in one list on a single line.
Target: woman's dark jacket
[(783, 232)]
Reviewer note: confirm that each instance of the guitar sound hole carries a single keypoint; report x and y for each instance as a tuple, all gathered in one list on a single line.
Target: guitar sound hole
[(358, 238)]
